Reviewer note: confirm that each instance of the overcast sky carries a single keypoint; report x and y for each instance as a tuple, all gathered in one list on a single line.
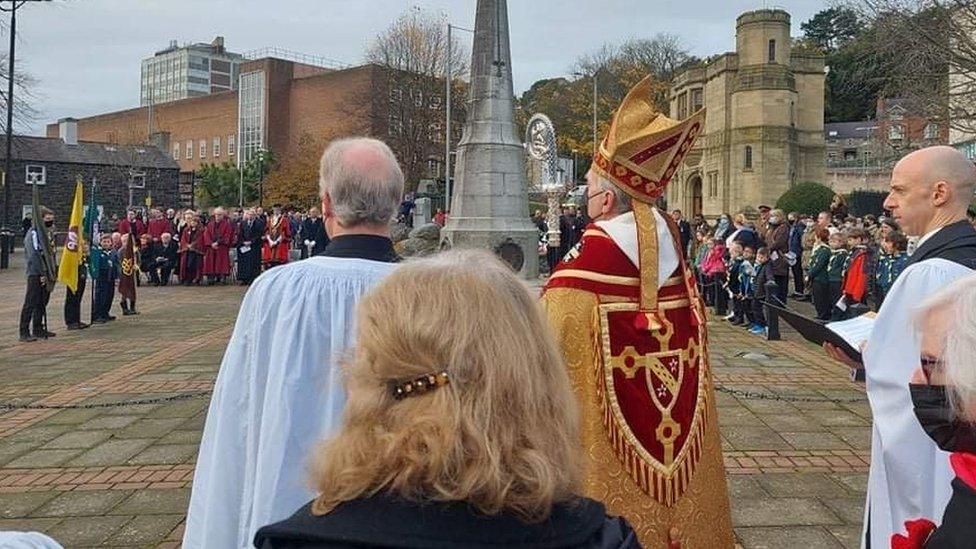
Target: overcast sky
[(85, 54)]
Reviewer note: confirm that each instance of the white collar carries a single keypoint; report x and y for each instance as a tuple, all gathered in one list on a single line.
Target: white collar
[(623, 231)]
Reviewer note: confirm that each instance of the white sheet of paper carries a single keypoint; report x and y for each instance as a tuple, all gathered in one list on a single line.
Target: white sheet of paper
[(841, 304), (245, 249), (854, 331)]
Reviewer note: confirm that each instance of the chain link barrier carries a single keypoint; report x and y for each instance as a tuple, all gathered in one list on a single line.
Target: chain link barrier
[(753, 395), (94, 405)]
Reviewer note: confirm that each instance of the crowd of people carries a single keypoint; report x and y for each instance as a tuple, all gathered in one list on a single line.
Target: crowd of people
[(157, 247), (362, 403), (844, 265)]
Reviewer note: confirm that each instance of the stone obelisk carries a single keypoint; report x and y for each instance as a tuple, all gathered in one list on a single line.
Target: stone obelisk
[(490, 208)]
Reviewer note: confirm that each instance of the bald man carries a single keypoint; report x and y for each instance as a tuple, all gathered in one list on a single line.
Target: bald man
[(910, 477)]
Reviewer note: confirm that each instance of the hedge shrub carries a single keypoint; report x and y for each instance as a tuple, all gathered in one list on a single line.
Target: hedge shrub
[(863, 202), (806, 198)]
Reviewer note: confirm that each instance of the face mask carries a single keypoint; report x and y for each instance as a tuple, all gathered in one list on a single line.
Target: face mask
[(934, 413), (773, 220), (49, 223)]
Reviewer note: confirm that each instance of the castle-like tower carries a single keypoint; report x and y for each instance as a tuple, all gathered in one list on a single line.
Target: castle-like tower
[(764, 121)]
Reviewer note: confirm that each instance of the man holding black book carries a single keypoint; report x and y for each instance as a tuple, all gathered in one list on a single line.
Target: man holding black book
[(910, 477)]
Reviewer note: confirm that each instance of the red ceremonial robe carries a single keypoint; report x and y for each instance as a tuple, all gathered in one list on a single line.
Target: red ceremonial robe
[(157, 227), (277, 241), (216, 261), (136, 228), (191, 246)]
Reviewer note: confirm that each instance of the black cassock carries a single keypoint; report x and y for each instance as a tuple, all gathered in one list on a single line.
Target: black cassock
[(314, 230), (249, 250)]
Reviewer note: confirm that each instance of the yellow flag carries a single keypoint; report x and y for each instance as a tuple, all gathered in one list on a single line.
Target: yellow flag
[(73, 243)]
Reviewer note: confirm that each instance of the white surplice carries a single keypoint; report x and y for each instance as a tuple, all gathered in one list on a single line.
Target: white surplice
[(27, 540), (910, 477), (623, 231), (278, 394)]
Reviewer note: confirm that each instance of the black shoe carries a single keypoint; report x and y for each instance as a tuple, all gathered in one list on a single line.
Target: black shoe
[(99, 320), (27, 338), (127, 313), (109, 318), (82, 325), (72, 327), (44, 334)]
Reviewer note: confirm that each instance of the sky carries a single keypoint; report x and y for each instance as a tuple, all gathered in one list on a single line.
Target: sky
[(85, 54)]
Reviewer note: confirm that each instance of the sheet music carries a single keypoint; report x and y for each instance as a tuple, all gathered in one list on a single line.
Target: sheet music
[(854, 331)]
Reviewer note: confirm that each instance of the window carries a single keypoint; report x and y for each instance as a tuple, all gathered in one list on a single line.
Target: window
[(696, 100), (137, 181), (176, 151), (396, 125), (216, 147), (396, 95), (435, 102), (772, 51), (231, 145), (748, 159), (35, 173), (713, 184), (418, 99), (251, 112), (203, 148), (189, 149), (433, 168), (832, 133), (931, 131), (434, 132), (832, 155), (896, 132)]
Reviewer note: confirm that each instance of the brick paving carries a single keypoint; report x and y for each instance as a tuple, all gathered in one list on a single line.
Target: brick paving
[(120, 476)]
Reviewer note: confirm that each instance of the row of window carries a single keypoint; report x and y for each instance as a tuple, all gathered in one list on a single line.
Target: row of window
[(202, 144), (396, 96), (435, 130)]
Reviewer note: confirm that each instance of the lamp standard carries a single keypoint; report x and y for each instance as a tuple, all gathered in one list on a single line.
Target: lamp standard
[(593, 76), (448, 81)]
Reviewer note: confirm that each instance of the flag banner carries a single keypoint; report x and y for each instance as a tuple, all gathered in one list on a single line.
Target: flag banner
[(128, 270), (94, 235), (48, 262), (74, 242)]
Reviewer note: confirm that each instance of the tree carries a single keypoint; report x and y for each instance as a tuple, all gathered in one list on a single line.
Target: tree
[(295, 179), (413, 54), (24, 97), (929, 47), (220, 184), (806, 198), (832, 28)]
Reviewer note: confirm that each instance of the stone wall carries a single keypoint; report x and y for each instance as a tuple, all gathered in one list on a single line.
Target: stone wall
[(113, 191)]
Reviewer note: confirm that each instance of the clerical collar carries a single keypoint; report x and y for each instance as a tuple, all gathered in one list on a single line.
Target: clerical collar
[(927, 236), (362, 246)]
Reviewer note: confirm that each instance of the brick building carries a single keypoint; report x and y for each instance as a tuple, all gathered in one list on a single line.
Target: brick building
[(278, 104), (862, 154), (124, 173)]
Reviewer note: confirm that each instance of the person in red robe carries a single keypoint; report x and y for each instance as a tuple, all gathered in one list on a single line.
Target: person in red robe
[(158, 225), (277, 239), (191, 252), (217, 239), (132, 225)]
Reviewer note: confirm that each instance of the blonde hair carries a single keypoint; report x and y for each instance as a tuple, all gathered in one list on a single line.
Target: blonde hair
[(958, 300), (502, 435)]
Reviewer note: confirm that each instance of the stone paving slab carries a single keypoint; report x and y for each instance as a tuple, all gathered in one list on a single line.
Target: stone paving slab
[(120, 476)]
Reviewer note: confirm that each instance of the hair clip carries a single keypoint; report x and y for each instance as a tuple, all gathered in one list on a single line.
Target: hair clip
[(420, 385)]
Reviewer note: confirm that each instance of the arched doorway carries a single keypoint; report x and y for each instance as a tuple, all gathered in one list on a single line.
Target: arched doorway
[(695, 186)]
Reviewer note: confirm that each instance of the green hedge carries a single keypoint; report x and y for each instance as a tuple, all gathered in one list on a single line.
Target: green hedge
[(863, 202), (806, 198)]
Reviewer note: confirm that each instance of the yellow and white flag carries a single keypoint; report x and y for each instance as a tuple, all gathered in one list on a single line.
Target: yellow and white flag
[(73, 243)]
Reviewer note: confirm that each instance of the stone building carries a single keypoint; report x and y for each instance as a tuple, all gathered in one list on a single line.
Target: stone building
[(125, 174), (764, 125)]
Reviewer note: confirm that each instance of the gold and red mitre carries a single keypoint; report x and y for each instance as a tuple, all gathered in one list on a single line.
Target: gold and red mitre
[(640, 153)]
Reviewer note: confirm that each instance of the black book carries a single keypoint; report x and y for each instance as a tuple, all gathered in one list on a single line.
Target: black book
[(846, 335)]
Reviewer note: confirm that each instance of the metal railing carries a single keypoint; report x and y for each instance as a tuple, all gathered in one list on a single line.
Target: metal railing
[(298, 57)]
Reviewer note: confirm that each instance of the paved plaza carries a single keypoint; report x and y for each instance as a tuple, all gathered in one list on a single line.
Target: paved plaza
[(796, 432)]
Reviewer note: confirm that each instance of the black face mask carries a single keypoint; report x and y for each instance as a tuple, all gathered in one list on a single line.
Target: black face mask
[(934, 413), (49, 224)]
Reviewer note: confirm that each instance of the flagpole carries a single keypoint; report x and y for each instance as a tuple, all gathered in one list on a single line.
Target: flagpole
[(91, 243)]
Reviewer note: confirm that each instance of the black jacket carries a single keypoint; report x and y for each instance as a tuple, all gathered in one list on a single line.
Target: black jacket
[(958, 529), (956, 243), (385, 521), (314, 229)]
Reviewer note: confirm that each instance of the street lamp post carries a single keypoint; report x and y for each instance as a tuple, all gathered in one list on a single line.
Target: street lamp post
[(593, 76), (448, 80), (6, 233)]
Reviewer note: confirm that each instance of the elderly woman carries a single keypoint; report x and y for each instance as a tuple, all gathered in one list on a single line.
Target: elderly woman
[(943, 391), (460, 427)]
